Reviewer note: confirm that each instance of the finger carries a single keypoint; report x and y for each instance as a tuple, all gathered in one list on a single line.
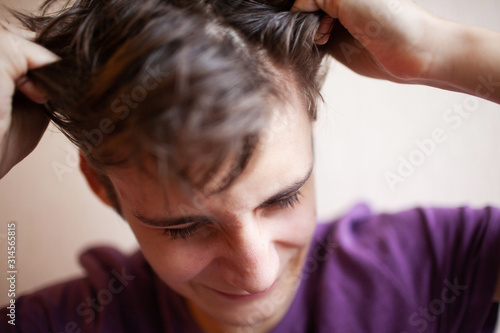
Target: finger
[(22, 55), (324, 30), (34, 54), (305, 6), (5, 109), (29, 88), (22, 32)]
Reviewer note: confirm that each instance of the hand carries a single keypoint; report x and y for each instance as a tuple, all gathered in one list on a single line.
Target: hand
[(397, 41), (386, 39), (22, 121)]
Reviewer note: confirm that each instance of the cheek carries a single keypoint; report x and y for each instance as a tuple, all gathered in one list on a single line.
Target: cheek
[(296, 226)]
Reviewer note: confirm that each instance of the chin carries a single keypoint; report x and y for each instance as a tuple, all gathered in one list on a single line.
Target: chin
[(248, 317), (259, 313)]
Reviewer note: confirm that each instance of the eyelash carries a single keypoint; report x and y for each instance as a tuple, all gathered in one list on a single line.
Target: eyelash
[(185, 233), (288, 202)]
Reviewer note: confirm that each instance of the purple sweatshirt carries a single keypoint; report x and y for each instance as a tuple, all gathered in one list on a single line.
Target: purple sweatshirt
[(421, 270)]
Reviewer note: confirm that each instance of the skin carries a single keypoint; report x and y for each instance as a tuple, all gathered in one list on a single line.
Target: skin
[(22, 121), (410, 47), (244, 248), (400, 42)]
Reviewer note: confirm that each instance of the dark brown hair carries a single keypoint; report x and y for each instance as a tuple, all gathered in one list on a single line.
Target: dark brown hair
[(187, 82)]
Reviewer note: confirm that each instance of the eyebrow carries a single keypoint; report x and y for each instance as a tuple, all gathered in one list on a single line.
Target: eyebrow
[(171, 222)]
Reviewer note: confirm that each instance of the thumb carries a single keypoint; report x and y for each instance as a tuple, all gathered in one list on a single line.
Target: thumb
[(34, 54), (327, 21), (21, 55)]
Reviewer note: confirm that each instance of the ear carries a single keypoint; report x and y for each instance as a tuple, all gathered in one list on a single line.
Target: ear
[(94, 180)]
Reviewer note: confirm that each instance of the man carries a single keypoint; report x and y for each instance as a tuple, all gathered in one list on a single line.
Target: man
[(169, 105)]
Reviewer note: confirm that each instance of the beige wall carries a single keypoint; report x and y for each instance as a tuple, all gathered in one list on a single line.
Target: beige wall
[(366, 126)]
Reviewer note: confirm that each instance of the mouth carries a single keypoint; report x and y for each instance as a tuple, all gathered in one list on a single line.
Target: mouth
[(245, 297)]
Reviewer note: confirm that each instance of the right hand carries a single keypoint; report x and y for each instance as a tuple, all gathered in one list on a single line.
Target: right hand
[(22, 120)]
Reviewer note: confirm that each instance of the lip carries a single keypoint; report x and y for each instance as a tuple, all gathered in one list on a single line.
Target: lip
[(235, 297)]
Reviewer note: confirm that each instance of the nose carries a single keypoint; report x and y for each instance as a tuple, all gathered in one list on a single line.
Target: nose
[(249, 261)]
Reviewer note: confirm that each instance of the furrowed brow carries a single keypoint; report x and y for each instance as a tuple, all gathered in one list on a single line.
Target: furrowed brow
[(171, 222)]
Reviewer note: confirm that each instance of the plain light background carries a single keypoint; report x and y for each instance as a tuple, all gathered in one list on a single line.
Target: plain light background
[(365, 129)]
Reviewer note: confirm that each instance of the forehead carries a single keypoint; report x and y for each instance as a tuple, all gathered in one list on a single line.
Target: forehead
[(283, 155)]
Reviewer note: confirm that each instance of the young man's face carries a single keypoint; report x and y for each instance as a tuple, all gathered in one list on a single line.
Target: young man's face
[(236, 255)]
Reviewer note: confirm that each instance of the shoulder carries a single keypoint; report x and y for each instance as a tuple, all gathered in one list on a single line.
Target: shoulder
[(432, 241), (361, 230), (399, 263), (112, 288)]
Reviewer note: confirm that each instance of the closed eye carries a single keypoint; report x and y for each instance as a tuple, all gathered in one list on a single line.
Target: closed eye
[(288, 202), (183, 233)]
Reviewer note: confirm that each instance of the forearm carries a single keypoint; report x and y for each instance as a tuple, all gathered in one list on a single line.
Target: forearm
[(465, 59)]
